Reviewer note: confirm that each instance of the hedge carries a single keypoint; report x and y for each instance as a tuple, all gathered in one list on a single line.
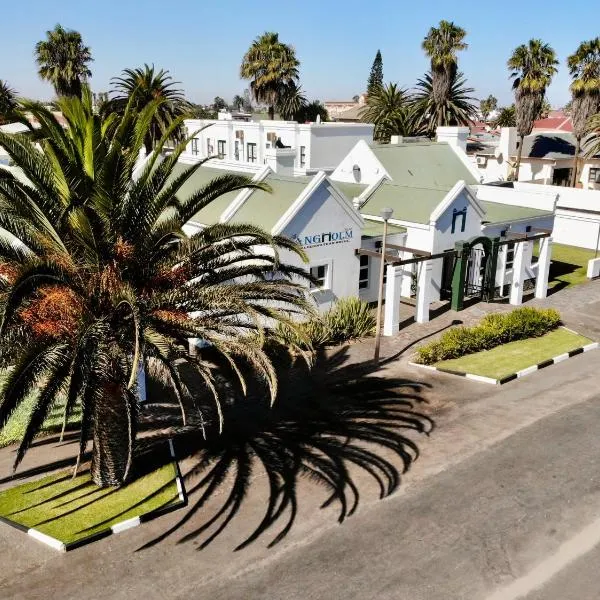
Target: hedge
[(493, 330)]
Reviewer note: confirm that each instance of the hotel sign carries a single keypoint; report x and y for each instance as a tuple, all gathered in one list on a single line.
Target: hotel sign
[(327, 238)]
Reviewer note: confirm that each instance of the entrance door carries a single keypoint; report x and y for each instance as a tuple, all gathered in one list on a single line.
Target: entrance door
[(475, 279), (447, 273)]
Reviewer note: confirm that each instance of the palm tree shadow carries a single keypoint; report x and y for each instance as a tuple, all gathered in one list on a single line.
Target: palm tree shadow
[(328, 423)]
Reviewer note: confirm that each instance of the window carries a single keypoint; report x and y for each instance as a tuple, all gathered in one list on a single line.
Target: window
[(209, 147), (302, 156), (236, 150), (320, 274), (251, 152), (510, 255), (594, 175), (221, 148), (363, 273), (195, 150)]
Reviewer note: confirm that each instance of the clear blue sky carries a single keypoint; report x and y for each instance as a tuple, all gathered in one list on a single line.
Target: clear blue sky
[(202, 43)]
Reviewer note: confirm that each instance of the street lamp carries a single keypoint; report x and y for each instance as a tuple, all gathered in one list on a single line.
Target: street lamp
[(386, 214)]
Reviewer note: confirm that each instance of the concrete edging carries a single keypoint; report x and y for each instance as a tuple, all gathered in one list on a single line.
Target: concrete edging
[(519, 374), (118, 527)]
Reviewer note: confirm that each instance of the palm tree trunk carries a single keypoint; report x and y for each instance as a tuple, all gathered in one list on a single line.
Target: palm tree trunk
[(576, 163), (519, 152), (271, 112), (112, 438)]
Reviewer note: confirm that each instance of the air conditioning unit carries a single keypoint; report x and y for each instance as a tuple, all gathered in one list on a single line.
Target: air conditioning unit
[(481, 161)]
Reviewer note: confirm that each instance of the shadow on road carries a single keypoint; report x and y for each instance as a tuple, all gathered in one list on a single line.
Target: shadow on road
[(326, 421)]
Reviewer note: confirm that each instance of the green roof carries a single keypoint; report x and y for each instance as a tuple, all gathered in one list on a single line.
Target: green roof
[(375, 229), (264, 209), (211, 212), (349, 189), (412, 204), (423, 164), (505, 213)]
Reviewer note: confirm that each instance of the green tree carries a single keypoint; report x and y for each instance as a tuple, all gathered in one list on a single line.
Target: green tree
[(105, 282), (506, 117), (375, 80), (389, 108), (138, 87), (8, 102), (291, 101), (584, 67), (441, 45), (545, 109), (311, 110), (592, 145), (532, 67), (238, 102), (63, 60), (270, 65), (487, 106), (219, 103), (456, 108)]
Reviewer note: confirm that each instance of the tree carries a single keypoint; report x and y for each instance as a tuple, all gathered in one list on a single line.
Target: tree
[(592, 144), (456, 108), (441, 45), (545, 109), (197, 111), (104, 282), (270, 65), (311, 111), (487, 106), (532, 67), (247, 101), (375, 80), (389, 109), (63, 60), (8, 102), (584, 67), (219, 103), (291, 102), (238, 102), (506, 117), (141, 86)]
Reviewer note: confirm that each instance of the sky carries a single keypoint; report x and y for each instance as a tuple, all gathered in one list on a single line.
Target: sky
[(202, 44)]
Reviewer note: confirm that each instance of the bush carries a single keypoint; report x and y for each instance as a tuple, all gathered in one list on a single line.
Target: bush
[(493, 330)]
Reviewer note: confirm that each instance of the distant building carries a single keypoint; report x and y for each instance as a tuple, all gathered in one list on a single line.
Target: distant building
[(557, 120), (346, 110)]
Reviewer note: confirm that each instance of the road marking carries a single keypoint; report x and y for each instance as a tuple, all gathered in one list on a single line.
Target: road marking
[(587, 539)]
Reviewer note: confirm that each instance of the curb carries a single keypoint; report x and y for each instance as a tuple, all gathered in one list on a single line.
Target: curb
[(519, 374), (118, 527)]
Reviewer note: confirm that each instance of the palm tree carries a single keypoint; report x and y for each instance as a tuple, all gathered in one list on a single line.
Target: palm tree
[(506, 117), (63, 60), (146, 84), (8, 102), (104, 283), (270, 65), (291, 101), (487, 106), (592, 144), (584, 67), (237, 102), (532, 67), (456, 108), (311, 111), (441, 45), (389, 108)]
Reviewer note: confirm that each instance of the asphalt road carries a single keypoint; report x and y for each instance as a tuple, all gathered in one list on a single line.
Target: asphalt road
[(504, 503)]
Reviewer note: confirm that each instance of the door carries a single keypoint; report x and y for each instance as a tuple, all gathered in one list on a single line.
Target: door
[(475, 279), (447, 274)]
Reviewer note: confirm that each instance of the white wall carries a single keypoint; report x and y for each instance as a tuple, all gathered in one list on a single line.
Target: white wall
[(529, 195), (331, 142), (371, 170)]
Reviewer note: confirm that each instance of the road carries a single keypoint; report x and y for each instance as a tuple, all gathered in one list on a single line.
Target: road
[(503, 504)]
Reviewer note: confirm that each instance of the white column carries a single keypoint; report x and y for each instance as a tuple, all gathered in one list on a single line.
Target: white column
[(516, 286), (501, 267), (391, 320), (406, 283), (541, 282), (423, 291)]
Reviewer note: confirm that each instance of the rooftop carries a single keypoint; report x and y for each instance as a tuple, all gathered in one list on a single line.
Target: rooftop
[(497, 213), (375, 229)]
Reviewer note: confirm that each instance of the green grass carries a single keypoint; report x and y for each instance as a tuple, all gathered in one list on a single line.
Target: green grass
[(73, 509), (569, 265), (515, 356)]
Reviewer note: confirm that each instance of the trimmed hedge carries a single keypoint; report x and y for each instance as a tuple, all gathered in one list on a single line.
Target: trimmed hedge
[(493, 330)]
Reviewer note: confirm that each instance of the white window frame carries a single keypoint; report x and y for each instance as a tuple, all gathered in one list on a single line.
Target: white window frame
[(251, 157), (221, 149), (195, 148), (328, 264), (302, 156)]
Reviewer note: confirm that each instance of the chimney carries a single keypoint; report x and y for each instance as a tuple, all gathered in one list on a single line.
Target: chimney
[(508, 142), (281, 160), (454, 136)]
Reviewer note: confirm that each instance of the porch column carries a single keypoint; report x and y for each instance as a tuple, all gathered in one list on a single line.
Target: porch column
[(501, 267), (516, 286), (406, 283), (393, 285), (541, 281), (423, 291)]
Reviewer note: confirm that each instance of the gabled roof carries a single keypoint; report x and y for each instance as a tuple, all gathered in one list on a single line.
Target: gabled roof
[(497, 213), (423, 164), (550, 145), (349, 189)]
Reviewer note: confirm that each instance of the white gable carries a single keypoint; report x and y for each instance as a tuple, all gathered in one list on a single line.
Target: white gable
[(360, 166)]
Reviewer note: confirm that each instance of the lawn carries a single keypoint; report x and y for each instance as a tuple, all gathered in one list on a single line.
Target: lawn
[(71, 510), (569, 265), (515, 356)]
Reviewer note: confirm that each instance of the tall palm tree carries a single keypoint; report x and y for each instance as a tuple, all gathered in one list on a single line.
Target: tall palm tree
[(506, 117), (584, 67), (532, 67), (63, 60), (145, 84), (270, 65), (291, 101), (389, 108), (104, 282), (441, 45), (8, 102), (457, 107), (592, 143), (238, 102)]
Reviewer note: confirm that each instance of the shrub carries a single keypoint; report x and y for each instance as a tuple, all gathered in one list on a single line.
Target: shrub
[(349, 319), (493, 330)]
